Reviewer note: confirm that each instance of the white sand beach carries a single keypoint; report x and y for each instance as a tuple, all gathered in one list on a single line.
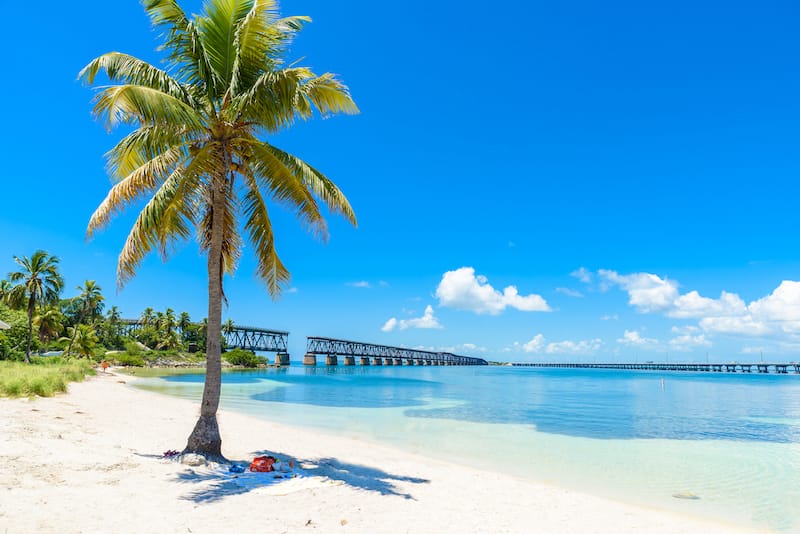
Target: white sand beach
[(90, 461)]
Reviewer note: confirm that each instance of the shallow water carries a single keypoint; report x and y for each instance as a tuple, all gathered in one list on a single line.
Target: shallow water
[(731, 440)]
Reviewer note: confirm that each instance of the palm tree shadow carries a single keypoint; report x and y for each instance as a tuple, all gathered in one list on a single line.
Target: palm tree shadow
[(218, 484)]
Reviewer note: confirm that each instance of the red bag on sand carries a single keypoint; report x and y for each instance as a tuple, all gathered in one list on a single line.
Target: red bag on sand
[(262, 464)]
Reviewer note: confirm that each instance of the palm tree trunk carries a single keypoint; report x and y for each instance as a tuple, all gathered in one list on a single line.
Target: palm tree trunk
[(30, 335), (205, 439)]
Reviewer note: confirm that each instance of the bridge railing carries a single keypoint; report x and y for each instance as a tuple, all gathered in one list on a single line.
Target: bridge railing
[(344, 347)]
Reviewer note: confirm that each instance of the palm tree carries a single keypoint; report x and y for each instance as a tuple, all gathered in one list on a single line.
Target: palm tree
[(228, 327), (91, 305), (38, 283), (169, 321), (196, 154), (5, 288), (184, 322), (50, 323), (85, 339), (147, 317)]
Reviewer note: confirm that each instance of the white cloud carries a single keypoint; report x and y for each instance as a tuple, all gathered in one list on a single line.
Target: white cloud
[(634, 339), (582, 274), (291, 290), (361, 283), (614, 317), (463, 290), (569, 292), (572, 347), (775, 315), (646, 292), (534, 345), (538, 345), (428, 320), (688, 342)]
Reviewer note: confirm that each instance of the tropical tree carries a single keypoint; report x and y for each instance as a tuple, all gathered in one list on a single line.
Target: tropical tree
[(85, 339), (228, 327), (198, 156), (51, 323), (91, 306), (37, 283), (5, 288), (184, 322), (147, 317)]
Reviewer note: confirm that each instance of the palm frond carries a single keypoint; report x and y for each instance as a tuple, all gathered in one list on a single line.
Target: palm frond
[(284, 184), (319, 184), (183, 43), (142, 181), (132, 104), (218, 28), (329, 95), (144, 144), (134, 71), (269, 266)]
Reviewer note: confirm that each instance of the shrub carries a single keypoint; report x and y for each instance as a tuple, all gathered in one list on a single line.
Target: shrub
[(47, 377), (129, 360), (244, 358)]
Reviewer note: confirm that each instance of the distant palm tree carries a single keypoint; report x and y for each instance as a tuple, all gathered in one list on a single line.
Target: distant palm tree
[(196, 156), (228, 327), (184, 321), (91, 305), (50, 323), (5, 288), (169, 321), (147, 317), (85, 339), (37, 284)]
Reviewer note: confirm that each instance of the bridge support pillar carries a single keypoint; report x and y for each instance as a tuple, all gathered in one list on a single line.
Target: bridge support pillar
[(310, 359), (331, 359), (388, 361), (398, 361), (410, 361), (349, 360), (377, 361), (420, 362), (281, 359), (364, 360)]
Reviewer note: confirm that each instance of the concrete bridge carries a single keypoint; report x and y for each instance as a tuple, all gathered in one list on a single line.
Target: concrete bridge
[(373, 354), (734, 367)]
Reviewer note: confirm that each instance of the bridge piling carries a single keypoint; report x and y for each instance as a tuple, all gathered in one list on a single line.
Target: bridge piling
[(331, 359), (310, 359)]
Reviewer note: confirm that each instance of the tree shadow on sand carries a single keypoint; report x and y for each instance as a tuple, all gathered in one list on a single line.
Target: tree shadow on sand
[(217, 484)]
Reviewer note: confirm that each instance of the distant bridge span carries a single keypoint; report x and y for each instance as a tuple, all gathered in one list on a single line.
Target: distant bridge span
[(378, 354)]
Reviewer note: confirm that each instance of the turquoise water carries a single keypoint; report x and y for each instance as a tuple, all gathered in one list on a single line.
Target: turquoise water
[(731, 440)]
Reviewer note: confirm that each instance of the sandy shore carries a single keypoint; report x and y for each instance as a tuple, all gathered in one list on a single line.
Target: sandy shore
[(89, 461)]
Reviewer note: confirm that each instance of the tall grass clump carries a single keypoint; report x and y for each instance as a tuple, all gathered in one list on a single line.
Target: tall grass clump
[(45, 378)]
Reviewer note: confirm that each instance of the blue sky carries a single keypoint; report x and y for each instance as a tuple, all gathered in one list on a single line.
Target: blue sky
[(629, 169)]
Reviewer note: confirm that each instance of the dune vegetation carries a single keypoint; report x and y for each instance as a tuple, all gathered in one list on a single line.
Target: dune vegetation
[(45, 378)]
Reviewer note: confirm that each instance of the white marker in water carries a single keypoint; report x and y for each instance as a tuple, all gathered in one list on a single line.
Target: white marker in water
[(662, 384)]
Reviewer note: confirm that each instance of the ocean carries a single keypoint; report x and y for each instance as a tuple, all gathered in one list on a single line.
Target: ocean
[(723, 446)]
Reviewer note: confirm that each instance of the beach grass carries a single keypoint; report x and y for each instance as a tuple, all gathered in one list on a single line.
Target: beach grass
[(44, 377)]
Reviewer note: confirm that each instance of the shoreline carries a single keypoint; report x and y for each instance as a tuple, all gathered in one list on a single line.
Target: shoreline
[(91, 459)]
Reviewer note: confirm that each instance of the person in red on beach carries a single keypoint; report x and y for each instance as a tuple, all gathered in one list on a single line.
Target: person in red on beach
[(104, 365)]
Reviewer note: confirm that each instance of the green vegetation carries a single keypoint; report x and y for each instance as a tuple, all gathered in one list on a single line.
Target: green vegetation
[(244, 358), (195, 158), (45, 378), (37, 283)]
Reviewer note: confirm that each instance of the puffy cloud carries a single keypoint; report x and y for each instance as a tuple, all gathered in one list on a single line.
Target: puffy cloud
[(428, 320), (573, 347), (463, 290), (569, 292), (534, 345), (775, 315), (361, 283), (634, 339), (614, 317), (538, 345), (647, 292), (688, 342), (582, 274), (692, 305)]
